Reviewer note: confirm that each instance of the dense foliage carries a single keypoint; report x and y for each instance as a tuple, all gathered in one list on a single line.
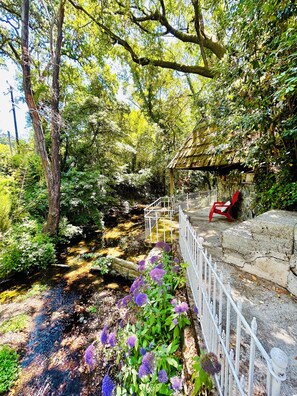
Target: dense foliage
[(254, 99), (9, 367)]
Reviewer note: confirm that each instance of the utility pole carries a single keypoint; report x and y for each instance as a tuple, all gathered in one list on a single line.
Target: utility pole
[(14, 114)]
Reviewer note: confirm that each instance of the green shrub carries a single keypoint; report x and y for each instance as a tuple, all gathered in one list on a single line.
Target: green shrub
[(103, 264), (5, 206), (9, 367), (25, 247)]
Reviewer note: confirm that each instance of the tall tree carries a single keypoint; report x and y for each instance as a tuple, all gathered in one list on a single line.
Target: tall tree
[(50, 162)]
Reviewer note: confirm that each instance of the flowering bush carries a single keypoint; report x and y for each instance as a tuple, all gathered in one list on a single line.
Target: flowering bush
[(143, 351), (23, 247)]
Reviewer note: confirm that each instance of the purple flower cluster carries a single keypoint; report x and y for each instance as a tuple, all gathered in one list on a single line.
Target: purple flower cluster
[(162, 376), (154, 259), (176, 269), (140, 299), (163, 245), (104, 335), (148, 365), (107, 386), (90, 356), (132, 341), (157, 275), (123, 302), (176, 383), (210, 364), (136, 285), (112, 339), (108, 338), (141, 265), (181, 308)]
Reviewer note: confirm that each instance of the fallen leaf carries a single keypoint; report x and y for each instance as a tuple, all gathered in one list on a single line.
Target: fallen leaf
[(254, 277), (281, 291)]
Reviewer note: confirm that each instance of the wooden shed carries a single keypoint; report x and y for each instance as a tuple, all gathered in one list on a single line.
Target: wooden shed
[(202, 151)]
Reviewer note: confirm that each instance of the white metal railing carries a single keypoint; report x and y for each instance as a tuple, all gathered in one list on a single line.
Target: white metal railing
[(247, 369), (159, 216)]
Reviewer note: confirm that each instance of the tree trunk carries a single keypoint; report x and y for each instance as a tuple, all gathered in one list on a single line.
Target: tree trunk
[(51, 167), (54, 191)]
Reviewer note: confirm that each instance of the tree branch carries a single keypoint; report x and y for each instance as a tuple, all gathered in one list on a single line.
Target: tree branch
[(143, 61)]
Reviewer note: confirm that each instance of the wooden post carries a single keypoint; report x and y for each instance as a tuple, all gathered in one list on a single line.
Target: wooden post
[(171, 181)]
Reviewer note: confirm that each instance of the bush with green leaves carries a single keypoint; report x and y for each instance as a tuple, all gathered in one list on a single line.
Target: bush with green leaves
[(84, 195), (25, 247), (144, 350), (102, 264), (9, 367)]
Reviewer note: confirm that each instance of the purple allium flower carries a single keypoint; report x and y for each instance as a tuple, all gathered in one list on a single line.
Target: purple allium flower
[(112, 339), (180, 308), (148, 365), (175, 321), (141, 265), (123, 302), (136, 285), (90, 356), (140, 299), (142, 351), (104, 335), (162, 376), (176, 383), (107, 386), (195, 309), (149, 360), (154, 259), (143, 370), (173, 302), (176, 268), (157, 275), (131, 341), (160, 266), (167, 248), (160, 244), (210, 364), (176, 260)]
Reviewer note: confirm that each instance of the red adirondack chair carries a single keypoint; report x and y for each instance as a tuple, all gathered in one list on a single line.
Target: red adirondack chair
[(224, 208)]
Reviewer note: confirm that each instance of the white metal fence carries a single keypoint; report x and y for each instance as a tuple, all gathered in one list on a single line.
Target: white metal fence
[(247, 369), (159, 216)]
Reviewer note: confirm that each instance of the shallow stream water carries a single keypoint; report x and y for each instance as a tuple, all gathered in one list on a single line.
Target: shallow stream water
[(68, 314)]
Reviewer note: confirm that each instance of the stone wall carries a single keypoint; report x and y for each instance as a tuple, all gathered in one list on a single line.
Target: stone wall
[(265, 246)]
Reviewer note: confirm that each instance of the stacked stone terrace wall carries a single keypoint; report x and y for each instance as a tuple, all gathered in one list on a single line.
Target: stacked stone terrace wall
[(265, 246)]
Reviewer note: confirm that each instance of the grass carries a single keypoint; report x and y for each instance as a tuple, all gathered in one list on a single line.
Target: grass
[(14, 324), (9, 367)]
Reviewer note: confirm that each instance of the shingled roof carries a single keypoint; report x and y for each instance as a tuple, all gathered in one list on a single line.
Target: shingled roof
[(202, 151)]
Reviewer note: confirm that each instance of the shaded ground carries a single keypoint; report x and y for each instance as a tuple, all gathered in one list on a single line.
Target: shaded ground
[(66, 311)]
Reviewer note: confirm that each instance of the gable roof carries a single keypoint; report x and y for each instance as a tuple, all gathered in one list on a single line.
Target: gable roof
[(202, 151)]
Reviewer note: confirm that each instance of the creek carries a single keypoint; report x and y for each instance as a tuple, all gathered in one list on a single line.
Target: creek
[(65, 309)]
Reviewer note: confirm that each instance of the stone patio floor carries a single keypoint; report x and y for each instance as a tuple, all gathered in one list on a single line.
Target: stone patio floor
[(274, 308)]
